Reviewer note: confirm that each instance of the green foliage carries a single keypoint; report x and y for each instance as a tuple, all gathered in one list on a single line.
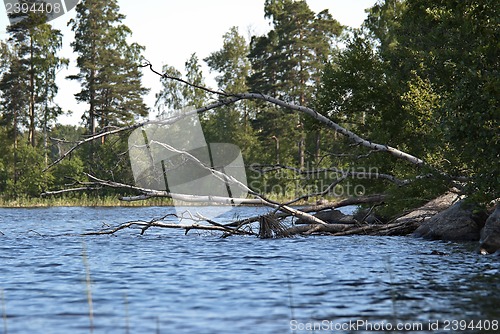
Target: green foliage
[(290, 58), (408, 79), (465, 75), (231, 62), (67, 172), (287, 63), (232, 124), (30, 180), (175, 95)]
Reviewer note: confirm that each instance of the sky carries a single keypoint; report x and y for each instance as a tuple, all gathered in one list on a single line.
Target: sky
[(171, 30)]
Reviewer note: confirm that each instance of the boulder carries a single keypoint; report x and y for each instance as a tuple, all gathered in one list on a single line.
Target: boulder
[(490, 234), (430, 209), (460, 222)]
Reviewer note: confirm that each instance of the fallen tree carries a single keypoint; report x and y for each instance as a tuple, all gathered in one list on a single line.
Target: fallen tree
[(280, 221)]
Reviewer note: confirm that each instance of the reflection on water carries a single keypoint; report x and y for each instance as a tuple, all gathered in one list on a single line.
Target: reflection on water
[(166, 282)]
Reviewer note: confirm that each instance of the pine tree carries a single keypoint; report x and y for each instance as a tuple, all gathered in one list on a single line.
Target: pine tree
[(14, 103), (232, 123), (27, 86), (36, 44), (287, 63), (175, 95), (109, 72)]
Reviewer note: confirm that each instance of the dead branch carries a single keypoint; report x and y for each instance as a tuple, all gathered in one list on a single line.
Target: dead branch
[(147, 225), (228, 98), (317, 116), (132, 127), (331, 124), (323, 229), (166, 76), (158, 222), (271, 224), (149, 193), (396, 228), (70, 190), (317, 208)]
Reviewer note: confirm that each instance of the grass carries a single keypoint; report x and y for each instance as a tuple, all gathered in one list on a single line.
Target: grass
[(84, 200)]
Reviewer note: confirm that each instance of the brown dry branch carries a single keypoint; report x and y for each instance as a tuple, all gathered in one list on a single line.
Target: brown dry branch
[(271, 227), (396, 228)]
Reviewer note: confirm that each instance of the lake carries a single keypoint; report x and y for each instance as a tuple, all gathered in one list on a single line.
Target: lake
[(168, 282)]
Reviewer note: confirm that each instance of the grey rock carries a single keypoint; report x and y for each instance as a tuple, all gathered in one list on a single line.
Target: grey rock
[(459, 222), (490, 234)]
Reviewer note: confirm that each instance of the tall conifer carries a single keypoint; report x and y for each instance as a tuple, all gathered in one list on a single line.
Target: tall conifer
[(109, 73)]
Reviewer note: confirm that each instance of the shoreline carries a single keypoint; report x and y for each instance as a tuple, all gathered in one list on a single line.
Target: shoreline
[(111, 202)]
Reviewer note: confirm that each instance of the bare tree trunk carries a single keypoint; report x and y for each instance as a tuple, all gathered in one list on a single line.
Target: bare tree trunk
[(301, 153), (317, 151), (15, 147), (31, 135), (277, 149)]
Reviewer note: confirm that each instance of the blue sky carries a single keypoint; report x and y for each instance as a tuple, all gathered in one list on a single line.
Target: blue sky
[(171, 30)]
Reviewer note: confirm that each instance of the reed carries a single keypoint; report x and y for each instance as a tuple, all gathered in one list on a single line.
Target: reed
[(4, 313), (88, 285), (290, 299), (393, 289), (127, 322)]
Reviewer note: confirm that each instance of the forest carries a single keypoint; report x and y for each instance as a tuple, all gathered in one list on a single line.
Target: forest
[(408, 103)]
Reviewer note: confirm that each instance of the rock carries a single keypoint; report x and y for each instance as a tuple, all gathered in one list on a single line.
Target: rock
[(331, 217), (490, 234), (459, 222), (430, 209)]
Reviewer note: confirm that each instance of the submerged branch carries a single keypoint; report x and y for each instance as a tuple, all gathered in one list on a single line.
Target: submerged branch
[(159, 222)]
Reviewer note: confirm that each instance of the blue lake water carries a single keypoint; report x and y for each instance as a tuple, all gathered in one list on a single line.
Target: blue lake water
[(168, 282)]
